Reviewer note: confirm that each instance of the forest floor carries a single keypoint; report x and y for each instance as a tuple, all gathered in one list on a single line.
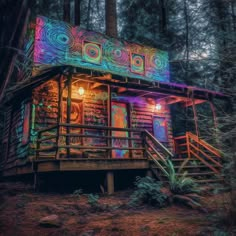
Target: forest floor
[(21, 210)]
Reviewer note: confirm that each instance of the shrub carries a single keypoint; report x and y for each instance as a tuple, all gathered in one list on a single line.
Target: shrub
[(149, 192), (93, 200), (180, 184), (77, 193)]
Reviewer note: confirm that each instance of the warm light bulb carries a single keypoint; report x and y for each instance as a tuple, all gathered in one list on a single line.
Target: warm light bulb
[(81, 91), (158, 107)]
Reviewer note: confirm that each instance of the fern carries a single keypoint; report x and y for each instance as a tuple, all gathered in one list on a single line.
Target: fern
[(148, 192)]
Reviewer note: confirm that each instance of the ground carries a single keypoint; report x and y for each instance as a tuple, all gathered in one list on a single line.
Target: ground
[(21, 210)]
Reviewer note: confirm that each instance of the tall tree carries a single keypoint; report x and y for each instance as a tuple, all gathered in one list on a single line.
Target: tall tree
[(111, 18), (77, 11), (66, 11)]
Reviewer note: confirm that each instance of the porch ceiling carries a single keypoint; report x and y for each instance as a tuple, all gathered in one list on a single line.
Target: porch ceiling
[(170, 92)]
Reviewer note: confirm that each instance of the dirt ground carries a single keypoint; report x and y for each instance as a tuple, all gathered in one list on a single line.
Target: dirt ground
[(21, 210)]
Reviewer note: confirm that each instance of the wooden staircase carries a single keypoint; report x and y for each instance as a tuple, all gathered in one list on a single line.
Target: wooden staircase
[(193, 155)]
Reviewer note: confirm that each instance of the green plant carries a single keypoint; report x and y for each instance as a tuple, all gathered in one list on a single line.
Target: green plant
[(180, 184), (149, 192), (77, 193), (93, 200), (184, 189)]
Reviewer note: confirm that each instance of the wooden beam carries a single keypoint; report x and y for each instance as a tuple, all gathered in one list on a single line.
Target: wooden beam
[(188, 102), (96, 85), (122, 90)]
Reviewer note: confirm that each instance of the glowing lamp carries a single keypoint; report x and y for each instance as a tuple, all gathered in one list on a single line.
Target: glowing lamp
[(158, 107), (81, 91)]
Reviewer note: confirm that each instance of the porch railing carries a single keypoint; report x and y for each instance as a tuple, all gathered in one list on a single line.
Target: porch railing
[(68, 138), (191, 147)]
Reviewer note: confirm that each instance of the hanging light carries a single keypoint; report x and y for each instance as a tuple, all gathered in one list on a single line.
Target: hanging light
[(158, 107), (81, 91)]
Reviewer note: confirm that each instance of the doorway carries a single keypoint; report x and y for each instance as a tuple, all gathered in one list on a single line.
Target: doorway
[(119, 119), (160, 128)]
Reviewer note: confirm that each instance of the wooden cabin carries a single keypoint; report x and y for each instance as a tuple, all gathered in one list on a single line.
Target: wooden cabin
[(85, 102)]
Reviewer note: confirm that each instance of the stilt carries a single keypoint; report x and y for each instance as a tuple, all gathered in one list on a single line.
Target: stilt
[(149, 173), (110, 182)]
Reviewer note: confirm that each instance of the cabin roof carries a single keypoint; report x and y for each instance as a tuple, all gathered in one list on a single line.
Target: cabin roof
[(131, 84)]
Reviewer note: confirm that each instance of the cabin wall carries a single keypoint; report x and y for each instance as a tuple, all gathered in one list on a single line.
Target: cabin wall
[(142, 115), (91, 108), (16, 132)]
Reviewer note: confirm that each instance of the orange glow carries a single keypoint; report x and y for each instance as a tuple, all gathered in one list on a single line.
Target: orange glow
[(81, 91), (158, 107)]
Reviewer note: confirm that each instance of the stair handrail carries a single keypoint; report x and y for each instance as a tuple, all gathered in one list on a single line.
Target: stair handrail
[(159, 144), (163, 162), (206, 145)]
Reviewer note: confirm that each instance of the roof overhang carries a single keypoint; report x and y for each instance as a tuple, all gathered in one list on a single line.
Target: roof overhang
[(173, 92)]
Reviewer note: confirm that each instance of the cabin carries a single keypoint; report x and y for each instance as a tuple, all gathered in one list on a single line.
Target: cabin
[(83, 101)]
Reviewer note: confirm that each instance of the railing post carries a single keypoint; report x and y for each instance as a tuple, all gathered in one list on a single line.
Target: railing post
[(188, 145)]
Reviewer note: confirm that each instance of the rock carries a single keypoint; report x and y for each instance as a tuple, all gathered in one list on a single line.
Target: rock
[(50, 221)]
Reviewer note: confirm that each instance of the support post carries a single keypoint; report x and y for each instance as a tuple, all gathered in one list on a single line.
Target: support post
[(149, 174), (59, 116), (68, 112), (109, 122), (110, 182), (195, 116)]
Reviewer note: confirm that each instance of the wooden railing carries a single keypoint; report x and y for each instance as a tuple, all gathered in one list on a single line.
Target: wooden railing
[(156, 151), (57, 138), (60, 137), (190, 146)]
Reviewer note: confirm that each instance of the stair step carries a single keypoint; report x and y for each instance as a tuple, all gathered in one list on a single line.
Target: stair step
[(202, 181), (198, 173)]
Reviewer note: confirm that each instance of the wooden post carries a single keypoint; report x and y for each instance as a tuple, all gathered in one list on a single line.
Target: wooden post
[(68, 112), (195, 116), (149, 173), (109, 122), (110, 182), (59, 115), (215, 123)]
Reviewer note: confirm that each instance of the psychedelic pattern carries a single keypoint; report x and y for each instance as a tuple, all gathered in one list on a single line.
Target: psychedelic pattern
[(160, 128), (58, 43), (119, 120)]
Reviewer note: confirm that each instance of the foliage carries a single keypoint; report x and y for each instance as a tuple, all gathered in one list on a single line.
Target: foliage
[(93, 200), (149, 192), (180, 184), (77, 193), (184, 189)]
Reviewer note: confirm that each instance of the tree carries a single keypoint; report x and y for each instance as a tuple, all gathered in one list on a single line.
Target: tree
[(111, 18)]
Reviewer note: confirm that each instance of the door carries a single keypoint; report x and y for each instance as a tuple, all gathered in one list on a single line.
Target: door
[(120, 120), (160, 128)]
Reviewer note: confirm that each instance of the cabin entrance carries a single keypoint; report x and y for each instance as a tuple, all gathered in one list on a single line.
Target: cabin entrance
[(120, 120), (160, 128)]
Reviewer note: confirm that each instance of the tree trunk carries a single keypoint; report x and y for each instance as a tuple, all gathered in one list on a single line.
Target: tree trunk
[(162, 13), (111, 18), (66, 11), (77, 12), (186, 40)]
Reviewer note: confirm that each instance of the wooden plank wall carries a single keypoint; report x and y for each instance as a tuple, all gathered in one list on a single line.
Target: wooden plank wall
[(95, 113), (17, 148), (142, 118), (44, 112)]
